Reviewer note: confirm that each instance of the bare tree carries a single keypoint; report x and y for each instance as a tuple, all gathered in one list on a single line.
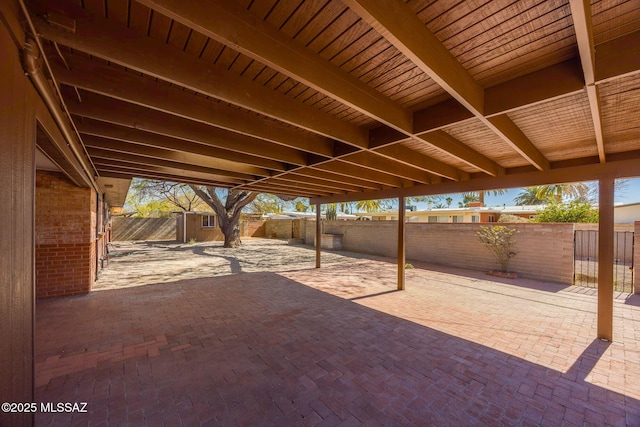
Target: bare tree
[(228, 211)]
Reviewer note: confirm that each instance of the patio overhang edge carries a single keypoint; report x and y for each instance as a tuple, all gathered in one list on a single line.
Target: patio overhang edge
[(626, 168)]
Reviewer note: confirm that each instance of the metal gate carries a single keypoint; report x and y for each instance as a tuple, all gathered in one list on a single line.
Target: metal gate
[(586, 260)]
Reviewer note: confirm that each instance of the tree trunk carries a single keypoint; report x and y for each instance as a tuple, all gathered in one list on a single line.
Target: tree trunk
[(231, 233)]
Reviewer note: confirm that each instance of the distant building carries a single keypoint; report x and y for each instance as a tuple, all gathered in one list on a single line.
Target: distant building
[(474, 213)]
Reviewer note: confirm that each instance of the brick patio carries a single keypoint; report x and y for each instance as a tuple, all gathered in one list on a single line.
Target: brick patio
[(338, 346)]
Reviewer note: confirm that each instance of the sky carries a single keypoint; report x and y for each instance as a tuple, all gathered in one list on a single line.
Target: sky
[(630, 193)]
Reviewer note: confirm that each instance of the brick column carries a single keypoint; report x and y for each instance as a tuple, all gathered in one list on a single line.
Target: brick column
[(65, 237)]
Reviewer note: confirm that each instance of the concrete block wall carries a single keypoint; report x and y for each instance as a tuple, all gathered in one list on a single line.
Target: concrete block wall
[(545, 251), (65, 224), (127, 229), (285, 228)]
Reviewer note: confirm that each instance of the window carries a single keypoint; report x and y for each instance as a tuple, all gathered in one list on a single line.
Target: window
[(433, 218), (458, 218), (208, 221), (475, 218), (492, 218)]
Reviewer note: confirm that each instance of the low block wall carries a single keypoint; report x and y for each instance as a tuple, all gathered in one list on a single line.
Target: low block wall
[(545, 251), (126, 229)]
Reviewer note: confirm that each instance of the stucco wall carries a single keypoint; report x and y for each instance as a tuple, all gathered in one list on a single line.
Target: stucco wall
[(545, 251)]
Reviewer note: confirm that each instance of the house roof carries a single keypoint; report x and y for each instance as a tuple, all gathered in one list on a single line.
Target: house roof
[(353, 99)]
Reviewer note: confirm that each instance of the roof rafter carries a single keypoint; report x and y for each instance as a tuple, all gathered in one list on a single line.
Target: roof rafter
[(116, 83), (124, 114), (231, 24), (126, 47), (398, 24), (207, 155), (581, 13)]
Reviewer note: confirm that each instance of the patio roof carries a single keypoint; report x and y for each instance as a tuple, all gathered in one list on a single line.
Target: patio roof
[(349, 100)]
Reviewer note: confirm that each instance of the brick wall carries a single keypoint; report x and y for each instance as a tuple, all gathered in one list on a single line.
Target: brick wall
[(65, 222), (545, 251)]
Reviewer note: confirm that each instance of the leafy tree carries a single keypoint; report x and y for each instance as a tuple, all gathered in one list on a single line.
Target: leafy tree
[(575, 211), (301, 206), (227, 208), (159, 198), (499, 239), (512, 218), (480, 195), (528, 196), (370, 205), (449, 201), (468, 198), (558, 192)]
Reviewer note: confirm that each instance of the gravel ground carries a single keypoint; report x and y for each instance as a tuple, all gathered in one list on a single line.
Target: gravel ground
[(144, 263)]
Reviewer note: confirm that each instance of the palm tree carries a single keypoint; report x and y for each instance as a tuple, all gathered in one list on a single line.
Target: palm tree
[(528, 196), (369, 205), (559, 191), (481, 194)]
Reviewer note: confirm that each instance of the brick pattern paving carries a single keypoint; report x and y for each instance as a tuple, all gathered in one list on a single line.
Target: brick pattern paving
[(337, 346)]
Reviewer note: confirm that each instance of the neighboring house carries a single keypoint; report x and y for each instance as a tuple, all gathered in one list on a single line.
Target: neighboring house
[(474, 213), (626, 214), (309, 215), (201, 226)]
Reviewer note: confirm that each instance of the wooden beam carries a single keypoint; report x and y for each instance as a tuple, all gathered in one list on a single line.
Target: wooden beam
[(341, 168), (212, 156), (581, 14), (174, 171), (331, 177), (449, 145), (102, 155), (231, 24), (605, 258), (618, 58), (415, 159), (124, 114), (318, 240), (336, 186), (377, 163), (511, 134), (162, 174), (397, 23), (116, 83), (402, 232), (127, 47), (628, 167)]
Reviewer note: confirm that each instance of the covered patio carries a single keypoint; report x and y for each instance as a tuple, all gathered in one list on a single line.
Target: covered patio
[(336, 346)]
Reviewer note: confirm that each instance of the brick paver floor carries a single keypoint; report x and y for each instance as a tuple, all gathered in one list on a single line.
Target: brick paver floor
[(337, 346)]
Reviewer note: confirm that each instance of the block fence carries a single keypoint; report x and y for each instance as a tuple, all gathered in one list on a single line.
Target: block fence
[(545, 251)]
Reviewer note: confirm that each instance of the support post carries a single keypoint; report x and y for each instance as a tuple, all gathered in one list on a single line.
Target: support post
[(318, 234), (401, 242), (605, 259)]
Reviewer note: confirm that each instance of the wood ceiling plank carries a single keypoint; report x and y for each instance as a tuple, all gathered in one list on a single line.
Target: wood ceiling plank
[(331, 177), (119, 84), (350, 170), (448, 144), (379, 163), (128, 48), (108, 158), (581, 12), (204, 155), (130, 115), (230, 24), (398, 24), (116, 150), (415, 159), (114, 172)]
